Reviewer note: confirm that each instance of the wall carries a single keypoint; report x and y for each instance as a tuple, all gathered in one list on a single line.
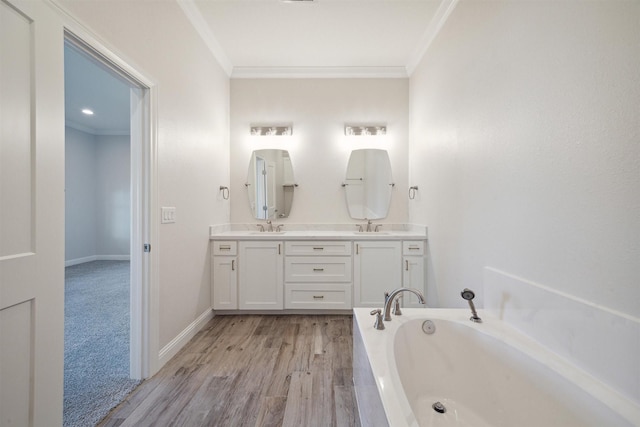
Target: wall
[(525, 147), (113, 174), (80, 195), (192, 136), (318, 109), (97, 193)]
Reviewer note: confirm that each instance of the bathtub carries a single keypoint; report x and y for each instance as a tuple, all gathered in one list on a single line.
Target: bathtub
[(484, 374)]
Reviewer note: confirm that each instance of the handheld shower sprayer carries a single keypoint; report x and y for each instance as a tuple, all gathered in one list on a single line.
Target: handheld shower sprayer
[(469, 295)]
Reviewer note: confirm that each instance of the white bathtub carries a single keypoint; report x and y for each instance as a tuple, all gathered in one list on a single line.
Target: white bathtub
[(484, 374)]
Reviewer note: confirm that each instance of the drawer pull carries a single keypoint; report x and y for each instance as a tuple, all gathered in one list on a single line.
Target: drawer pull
[(318, 297), (318, 248), (414, 248), (225, 248), (233, 265), (318, 269), (407, 265)]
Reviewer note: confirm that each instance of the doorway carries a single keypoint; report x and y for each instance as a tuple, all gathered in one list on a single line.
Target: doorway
[(107, 219)]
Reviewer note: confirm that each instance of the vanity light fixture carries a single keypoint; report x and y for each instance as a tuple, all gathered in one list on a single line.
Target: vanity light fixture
[(271, 130), (87, 112), (364, 130)]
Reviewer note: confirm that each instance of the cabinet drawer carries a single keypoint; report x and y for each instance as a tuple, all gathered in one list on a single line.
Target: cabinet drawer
[(413, 247), (328, 248), (317, 269), (319, 296), (225, 247)]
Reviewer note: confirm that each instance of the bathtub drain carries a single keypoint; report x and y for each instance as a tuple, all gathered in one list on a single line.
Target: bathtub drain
[(439, 408)]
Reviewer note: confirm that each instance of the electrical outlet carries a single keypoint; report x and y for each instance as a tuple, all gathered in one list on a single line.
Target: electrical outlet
[(168, 215)]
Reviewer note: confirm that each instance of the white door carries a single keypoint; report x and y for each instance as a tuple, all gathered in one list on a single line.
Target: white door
[(31, 214), (271, 190)]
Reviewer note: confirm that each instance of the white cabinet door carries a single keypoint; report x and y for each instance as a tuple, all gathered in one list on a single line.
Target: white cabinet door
[(224, 292), (413, 277), (376, 270), (261, 285)]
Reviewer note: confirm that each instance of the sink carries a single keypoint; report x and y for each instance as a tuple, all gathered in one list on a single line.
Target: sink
[(370, 233), (267, 233)]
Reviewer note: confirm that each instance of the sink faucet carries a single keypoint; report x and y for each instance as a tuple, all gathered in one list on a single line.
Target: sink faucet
[(389, 300), (269, 225), (368, 225)]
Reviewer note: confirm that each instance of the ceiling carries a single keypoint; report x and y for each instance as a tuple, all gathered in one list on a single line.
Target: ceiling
[(260, 38), (273, 38), (89, 84)]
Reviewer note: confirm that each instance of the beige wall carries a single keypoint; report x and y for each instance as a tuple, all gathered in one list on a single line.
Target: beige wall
[(525, 146), (318, 109), (193, 147)]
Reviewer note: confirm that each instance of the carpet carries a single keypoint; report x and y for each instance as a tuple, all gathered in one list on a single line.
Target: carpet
[(96, 345)]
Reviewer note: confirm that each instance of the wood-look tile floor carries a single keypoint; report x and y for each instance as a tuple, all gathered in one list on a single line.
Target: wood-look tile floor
[(252, 370)]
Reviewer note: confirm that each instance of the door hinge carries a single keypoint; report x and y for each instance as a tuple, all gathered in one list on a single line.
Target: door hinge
[(147, 247)]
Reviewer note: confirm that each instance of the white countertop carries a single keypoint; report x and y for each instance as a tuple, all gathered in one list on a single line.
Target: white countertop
[(318, 232)]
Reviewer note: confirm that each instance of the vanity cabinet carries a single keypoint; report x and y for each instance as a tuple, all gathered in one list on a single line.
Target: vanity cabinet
[(317, 275), (413, 273), (376, 269), (260, 281), (296, 274), (224, 275)]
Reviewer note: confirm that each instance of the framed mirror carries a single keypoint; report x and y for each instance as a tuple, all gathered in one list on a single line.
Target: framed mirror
[(368, 184), (270, 184)]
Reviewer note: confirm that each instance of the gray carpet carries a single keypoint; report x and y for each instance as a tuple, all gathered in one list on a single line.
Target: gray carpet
[(96, 348)]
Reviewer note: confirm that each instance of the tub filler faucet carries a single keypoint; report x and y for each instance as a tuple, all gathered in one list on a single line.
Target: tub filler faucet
[(389, 301), (469, 295)]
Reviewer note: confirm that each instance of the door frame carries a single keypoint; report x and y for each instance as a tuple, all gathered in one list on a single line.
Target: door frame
[(144, 294)]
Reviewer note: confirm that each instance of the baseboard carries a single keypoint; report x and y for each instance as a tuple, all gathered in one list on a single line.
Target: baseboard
[(76, 261), (174, 346)]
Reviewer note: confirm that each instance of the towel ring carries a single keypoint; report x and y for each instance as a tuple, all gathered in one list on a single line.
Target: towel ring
[(412, 192), (225, 192)]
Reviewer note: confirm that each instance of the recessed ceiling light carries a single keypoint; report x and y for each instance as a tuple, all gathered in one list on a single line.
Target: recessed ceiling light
[(87, 111)]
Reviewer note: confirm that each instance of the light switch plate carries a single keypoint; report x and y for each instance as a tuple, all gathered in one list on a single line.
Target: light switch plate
[(168, 215)]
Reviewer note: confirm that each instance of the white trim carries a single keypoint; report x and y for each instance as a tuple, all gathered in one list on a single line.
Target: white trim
[(127, 67), (319, 72), (145, 312), (82, 260), (434, 27), (91, 131), (202, 28), (176, 344), (76, 261)]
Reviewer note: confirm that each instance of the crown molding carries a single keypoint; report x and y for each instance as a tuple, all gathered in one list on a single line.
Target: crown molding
[(318, 72), (96, 132), (434, 27), (200, 24)]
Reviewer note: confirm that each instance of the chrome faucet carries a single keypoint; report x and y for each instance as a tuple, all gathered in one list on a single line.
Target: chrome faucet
[(369, 226), (269, 226), (389, 300), (469, 295)]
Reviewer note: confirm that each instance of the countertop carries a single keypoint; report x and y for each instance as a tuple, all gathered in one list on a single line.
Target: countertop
[(307, 232)]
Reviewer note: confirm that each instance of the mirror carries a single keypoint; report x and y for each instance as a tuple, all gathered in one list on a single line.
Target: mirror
[(368, 184), (270, 184)]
